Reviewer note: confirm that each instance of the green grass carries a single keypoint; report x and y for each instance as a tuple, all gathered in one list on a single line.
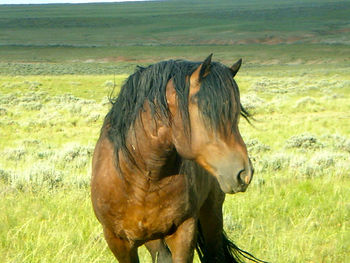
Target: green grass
[(296, 209)]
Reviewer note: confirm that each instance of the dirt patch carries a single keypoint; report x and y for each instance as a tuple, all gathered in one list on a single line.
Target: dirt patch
[(315, 62), (337, 31), (271, 62), (114, 60), (295, 62), (273, 40), (343, 30)]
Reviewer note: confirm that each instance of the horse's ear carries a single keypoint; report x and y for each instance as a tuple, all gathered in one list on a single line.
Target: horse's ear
[(205, 68), (202, 71), (235, 67)]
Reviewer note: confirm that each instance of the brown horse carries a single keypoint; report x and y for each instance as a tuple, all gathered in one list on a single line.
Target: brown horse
[(168, 151)]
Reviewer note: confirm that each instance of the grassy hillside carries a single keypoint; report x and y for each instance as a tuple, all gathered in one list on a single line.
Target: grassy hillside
[(177, 23), (114, 37)]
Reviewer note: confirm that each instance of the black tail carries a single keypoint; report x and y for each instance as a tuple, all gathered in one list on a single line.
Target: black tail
[(232, 253)]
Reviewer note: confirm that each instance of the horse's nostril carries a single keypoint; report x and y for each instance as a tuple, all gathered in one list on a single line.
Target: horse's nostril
[(242, 177)]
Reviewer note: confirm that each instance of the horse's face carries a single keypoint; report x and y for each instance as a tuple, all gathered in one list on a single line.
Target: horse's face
[(223, 154)]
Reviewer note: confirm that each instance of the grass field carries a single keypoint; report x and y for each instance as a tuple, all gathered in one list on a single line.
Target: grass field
[(57, 69), (296, 209)]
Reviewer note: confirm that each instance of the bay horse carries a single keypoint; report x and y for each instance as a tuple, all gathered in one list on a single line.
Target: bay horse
[(168, 151)]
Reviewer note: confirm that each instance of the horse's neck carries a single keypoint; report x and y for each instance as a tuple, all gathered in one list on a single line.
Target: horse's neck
[(152, 149)]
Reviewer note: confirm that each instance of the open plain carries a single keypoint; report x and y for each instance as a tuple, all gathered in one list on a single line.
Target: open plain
[(58, 68)]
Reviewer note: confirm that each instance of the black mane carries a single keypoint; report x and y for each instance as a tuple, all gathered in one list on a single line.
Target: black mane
[(218, 98)]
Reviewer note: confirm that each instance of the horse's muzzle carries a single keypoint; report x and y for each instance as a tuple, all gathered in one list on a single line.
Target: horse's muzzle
[(238, 182)]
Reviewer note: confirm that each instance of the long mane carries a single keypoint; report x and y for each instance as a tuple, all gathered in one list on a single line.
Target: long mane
[(218, 98)]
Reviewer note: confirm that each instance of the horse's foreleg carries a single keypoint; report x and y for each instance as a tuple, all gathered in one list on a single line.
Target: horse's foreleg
[(211, 228), (182, 242), (211, 224), (159, 251), (123, 250)]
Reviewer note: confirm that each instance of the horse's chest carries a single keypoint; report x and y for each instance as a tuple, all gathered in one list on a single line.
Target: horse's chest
[(154, 215), (142, 224)]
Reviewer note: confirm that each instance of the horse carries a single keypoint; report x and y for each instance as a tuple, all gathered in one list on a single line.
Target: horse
[(169, 149)]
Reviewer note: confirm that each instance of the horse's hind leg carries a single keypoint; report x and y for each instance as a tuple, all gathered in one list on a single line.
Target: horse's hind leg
[(122, 249), (211, 226), (159, 251)]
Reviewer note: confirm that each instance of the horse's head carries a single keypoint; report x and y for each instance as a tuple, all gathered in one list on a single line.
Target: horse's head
[(213, 139)]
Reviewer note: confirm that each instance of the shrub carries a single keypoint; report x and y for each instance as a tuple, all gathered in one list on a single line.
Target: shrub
[(31, 106), (44, 175), (256, 146), (31, 142), (81, 181), (252, 102), (93, 117), (40, 176), (45, 154), (304, 141), (323, 159), (33, 97), (298, 162), (321, 163), (33, 84), (74, 108), (5, 176), (309, 104), (8, 98), (305, 101), (318, 165), (273, 162), (3, 111), (339, 142), (105, 101), (15, 154), (109, 84), (274, 86), (75, 155), (66, 98), (44, 119)]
